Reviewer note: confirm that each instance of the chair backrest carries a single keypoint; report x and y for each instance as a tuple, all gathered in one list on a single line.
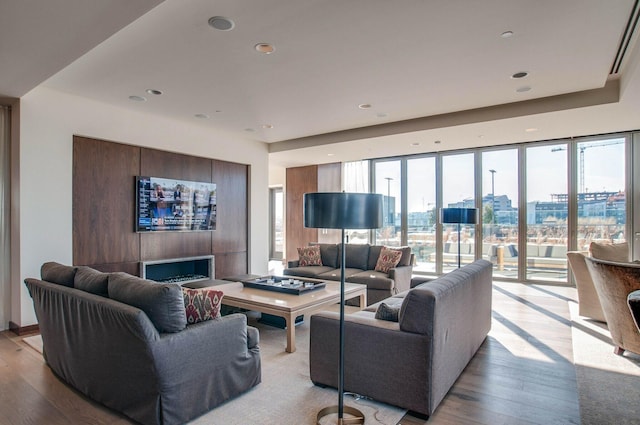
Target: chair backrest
[(614, 282), (588, 301)]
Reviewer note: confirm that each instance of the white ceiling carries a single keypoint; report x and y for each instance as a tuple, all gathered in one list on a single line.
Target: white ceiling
[(408, 59)]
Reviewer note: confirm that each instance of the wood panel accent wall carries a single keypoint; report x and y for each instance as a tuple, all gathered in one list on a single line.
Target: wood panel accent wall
[(301, 180), (104, 234)]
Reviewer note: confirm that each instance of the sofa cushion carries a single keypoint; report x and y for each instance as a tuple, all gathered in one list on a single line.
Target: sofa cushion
[(201, 304), (329, 254), (91, 280), (163, 303), (373, 280), (618, 252), (335, 274), (387, 312), (357, 256), (307, 271), (388, 259), (58, 273), (309, 256)]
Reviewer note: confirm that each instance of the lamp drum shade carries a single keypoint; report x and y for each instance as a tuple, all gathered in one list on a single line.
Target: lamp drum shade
[(459, 215), (342, 210)]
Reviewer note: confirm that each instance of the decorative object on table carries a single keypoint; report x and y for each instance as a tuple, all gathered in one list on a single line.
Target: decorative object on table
[(342, 210), (287, 285), (459, 216)]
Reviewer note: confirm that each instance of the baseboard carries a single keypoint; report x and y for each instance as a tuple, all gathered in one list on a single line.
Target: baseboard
[(23, 330)]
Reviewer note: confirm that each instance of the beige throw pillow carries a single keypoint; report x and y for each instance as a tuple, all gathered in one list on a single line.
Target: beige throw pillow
[(618, 252)]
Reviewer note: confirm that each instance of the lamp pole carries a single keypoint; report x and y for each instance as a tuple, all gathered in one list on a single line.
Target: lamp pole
[(493, 199)]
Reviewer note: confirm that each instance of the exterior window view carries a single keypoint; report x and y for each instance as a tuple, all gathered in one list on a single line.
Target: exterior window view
[(525, 240)]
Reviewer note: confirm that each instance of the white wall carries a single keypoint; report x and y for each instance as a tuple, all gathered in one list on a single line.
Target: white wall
[(48, 121)]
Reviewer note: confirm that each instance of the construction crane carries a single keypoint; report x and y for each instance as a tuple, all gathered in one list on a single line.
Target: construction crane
[(582, 148)]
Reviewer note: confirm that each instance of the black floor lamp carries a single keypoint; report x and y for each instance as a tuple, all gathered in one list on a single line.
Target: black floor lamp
[(459, 216), (341, 210)]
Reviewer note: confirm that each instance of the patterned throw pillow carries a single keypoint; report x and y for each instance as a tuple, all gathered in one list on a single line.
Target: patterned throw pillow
[(388, 313), (201, 304), (309, 256), (388, 259)]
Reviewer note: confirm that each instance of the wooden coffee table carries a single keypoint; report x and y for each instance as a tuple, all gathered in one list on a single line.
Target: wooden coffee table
[(289, 306)]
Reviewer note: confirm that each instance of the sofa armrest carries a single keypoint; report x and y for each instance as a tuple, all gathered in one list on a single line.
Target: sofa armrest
[(292, 264), (253, 337), (402, 277)]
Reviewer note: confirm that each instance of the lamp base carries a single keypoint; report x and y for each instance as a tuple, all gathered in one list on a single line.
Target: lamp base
[(356, 419)]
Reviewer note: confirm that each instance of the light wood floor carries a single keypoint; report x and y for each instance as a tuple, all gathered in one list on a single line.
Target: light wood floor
[(522, 374)]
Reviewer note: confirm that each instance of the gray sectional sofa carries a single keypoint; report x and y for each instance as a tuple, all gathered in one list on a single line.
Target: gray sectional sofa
[(360, 267), (140, 357), (413, 360)]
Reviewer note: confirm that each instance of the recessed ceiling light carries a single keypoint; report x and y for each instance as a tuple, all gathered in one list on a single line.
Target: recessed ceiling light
[(265, 48), (364, 106), (415, 144), (221, 23), (437, 142), (330, 154), (521, 74), (530, 130), (201, 116), (480, 136), (267, 126), (523, 89), (138, 98), (249, 130), (506, 34), (153, 92)]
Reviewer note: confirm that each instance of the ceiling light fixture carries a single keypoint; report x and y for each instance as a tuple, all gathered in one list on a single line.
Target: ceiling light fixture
[(520, 74), (153, 92), (221, 23), (330, 154), (437, 142), (267, 126), (364, 106), (265, 48), (415, 144), (201, 116), (506, 34), (249, 130), (530, 130), (523, 89), (138, 98)]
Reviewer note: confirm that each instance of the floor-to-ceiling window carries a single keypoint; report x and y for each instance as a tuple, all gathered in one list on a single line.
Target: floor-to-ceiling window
[(387, 175), (537, 200), (422, 212), (499, 210), (601, 192), (458, 191)]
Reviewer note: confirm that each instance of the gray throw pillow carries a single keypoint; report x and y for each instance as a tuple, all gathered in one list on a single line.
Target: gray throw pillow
[(58, 273), (163, 303), (91, 280), (387, 312)]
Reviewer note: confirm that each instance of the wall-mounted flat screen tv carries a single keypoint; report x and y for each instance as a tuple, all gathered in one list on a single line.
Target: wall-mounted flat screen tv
[(174, 205)]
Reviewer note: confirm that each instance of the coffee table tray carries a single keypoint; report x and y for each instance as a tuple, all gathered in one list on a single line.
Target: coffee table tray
[(287, 285)]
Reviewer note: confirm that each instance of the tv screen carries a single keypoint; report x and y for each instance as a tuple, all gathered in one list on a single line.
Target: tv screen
[(174, 205)]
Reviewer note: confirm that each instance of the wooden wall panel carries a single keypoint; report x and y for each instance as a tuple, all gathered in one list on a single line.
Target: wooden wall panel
[(160, 245), (104, 235), (299, 180), (103, 202), (232, 204), (171, 165), (231, 264)]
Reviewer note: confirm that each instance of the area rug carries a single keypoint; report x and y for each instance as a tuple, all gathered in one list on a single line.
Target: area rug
[(608, 384), (286, 395)]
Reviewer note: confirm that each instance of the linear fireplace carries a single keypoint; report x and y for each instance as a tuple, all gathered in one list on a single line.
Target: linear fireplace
[(179, 270)]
